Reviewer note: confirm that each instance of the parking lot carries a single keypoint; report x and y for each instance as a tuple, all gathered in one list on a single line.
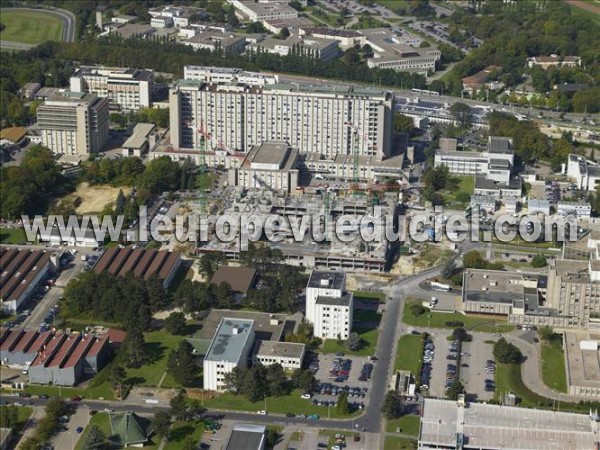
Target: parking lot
[(358, 390), (475, 354), (71, 433), (437, 386)]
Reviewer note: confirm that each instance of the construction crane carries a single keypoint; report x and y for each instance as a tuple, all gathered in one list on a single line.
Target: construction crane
[(203, 139)]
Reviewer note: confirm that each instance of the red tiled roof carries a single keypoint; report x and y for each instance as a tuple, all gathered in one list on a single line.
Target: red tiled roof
[(26, 340), (63, 351), (98, 344), (120, 258), (105, 260), (131, 261), (79, 351), (157, 263), (48, 350), (11, 339), (42, 339), (115, 335), (144, 263), (169, 264)]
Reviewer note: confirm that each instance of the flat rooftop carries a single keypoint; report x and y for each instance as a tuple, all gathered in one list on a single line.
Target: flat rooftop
[(327, 279), (140, 134), (280, 349), (584, 365), (230, 339), (239, 278), (344, 300), (495, 427)]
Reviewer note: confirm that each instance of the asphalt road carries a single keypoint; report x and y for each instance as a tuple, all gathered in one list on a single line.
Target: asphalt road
[(67, 17)]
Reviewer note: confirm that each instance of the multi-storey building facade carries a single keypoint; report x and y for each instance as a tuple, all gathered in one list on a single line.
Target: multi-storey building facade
[(74, 123), (326, 120), (257, 12), (230, 348), (328, 305), (126, 88)]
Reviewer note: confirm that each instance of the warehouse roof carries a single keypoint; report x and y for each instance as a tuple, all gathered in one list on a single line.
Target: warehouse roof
[(18, 268), (13, 134), (247, 437), (239, 278)]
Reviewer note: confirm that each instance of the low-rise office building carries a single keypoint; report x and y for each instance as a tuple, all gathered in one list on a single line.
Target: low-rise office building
[(535, 206), (161, 22), (346, 38), (585, 174), (486, 186), (74, 124), (288, 354), (225, 42), (317, 48), (580, 209), (140, 140), (247, 437), (126, 88), (229, 348), (511, 205), (22, 270), (484, 202), (260, 11), (276, 25), (271, 165), (554, 60), (211, 74), (329, 307)]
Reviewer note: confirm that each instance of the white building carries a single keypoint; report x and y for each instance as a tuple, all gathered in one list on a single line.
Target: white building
[(536, 206), (585, 174), (554, 60), (215, 40), (161, 22), (257, 12), (317, 48), (496, 163), (211, 74), (271, 165), (511, 205), (288, 354), (130, 89), (346, 38), (327, 120), (485, 202), (390, 52), (580, 209), (73, 123), (229, 348), (329, 306)]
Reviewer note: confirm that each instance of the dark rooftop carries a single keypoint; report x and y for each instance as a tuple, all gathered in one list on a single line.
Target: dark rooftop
[(240, 279), (327, 280)]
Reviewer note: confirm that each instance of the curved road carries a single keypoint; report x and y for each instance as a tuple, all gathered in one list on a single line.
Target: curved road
[(67, 18)]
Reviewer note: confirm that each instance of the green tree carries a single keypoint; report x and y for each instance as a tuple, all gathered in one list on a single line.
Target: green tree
[(276, 380), (135, 348), (462, 114), (507, 353), (455, 389), (474, 260), (175, 323), (120, 203), (342, 406), (403, 123), (546, 333), (448, 268), (284, 33), (117, 377), (162, 424), (392, 405), (539, 261), (354, 342), (95, 439), (179, 406), (181, 364), (459, 334), (304, 380)]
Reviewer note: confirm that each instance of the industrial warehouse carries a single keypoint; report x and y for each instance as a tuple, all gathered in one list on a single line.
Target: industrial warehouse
[(58, 358), (140, 263), (21, 272)]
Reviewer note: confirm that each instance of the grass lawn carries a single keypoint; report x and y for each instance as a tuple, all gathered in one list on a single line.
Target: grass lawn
[(368, 22), (464, 185), (206, 180), (102, 421), (365, 324), (30, 27), (12, 235), (291, 403), (408, 424), (577, 11), (508, 379), (348, 435), (408, 354), (438, 320), (553, 366), (103, 391), (367, 296), (432, 254), (181, 430), (399, 443), (393, 4), (159, 344)]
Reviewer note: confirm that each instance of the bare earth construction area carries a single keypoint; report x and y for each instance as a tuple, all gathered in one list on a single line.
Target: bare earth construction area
[(92, 199)]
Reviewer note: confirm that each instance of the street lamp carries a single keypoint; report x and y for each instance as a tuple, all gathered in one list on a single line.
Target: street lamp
[(266, 403)]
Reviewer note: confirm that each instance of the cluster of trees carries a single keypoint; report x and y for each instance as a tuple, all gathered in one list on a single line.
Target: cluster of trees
[(304, 335), (513, 32), (403, 123), (475, 260), (436, 179), (195, 296), (181, 364), (539, 261), (157, 116), (29, 187), (95, 440), (507, 353), (46, 426), (258, 381), (455, 389), (392, 407), (9, 416)]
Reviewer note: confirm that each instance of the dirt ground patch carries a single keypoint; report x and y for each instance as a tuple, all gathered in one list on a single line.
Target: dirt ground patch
[(94, 198)]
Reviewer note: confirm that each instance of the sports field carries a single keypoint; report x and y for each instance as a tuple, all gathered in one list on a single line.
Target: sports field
[(30, 27)]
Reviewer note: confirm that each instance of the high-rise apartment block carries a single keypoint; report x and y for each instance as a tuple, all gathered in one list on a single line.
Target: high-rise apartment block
[(329, 305), (126, 88), (326, 120), (74, 123)]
